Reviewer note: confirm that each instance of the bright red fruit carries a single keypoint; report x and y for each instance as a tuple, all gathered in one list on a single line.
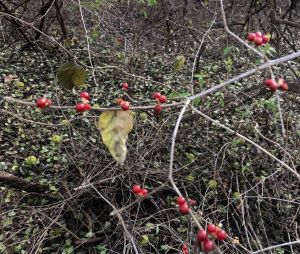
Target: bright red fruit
[(158, 108), (211, 228), (184, 209), (144, 192), (136, 189), (80, 107), (156, 95), (265, 39), (87, 107), (271, 84), (251, 36), (48, 102), (208, 246), (85, 95), (163, 99), (119, 101), (125, 105), (258, 41), (41, 102), (185, 249), (180, 200), (202, 235), (221, 235), (258, 34), (125, 86), (283, 87)]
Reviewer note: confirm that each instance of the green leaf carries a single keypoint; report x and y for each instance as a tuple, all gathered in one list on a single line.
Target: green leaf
[(144, 240), (71, 75), (179, 63), (152, 2), (227, 51), (20, 84), (197, 101), (31, 160), (114, 128)]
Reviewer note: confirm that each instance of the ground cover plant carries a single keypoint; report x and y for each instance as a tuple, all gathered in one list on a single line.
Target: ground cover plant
[(149, 126)]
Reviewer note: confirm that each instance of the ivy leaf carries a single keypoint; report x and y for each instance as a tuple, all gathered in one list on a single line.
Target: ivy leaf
[(114, 128), (152, 2), (179, 62), (71, 75)]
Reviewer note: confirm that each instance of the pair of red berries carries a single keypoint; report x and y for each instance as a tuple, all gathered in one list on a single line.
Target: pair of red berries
[(160, 99), (84, 105), (183, 206), (123, 104), (203, 237), (43, 102), (258, 38), (273, 85), (138, 190)]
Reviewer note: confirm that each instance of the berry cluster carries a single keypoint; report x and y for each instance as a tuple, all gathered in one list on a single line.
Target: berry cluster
[(183, 206), (258, 38), (137, 190), (43, 102), (160, 99), (279, 83), (84, 105), (123, 104), (212, 232)]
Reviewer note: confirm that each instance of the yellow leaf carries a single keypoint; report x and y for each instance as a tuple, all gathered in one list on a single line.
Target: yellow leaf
[(71, 75), (114, 128)]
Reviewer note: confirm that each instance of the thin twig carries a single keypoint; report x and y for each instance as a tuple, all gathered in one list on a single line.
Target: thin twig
[(250, 141)]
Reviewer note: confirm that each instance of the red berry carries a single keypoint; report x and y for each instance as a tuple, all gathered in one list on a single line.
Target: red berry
[(48, 103), (184, 209), (125, 105), (184, 247), (211, 228), (208, 246), (163, 99), (87, 107), (283, 87), (119, 101), (265, 39), (202, 235), (136, 189), (125, 86), (271, 84), (251, 37), (258, 41), (156, 95), (41, 102), (221, 235), (192, 202), (144, 192), (258, 34), (180, 200), (158, 108), (80, 107), (85, 95)]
